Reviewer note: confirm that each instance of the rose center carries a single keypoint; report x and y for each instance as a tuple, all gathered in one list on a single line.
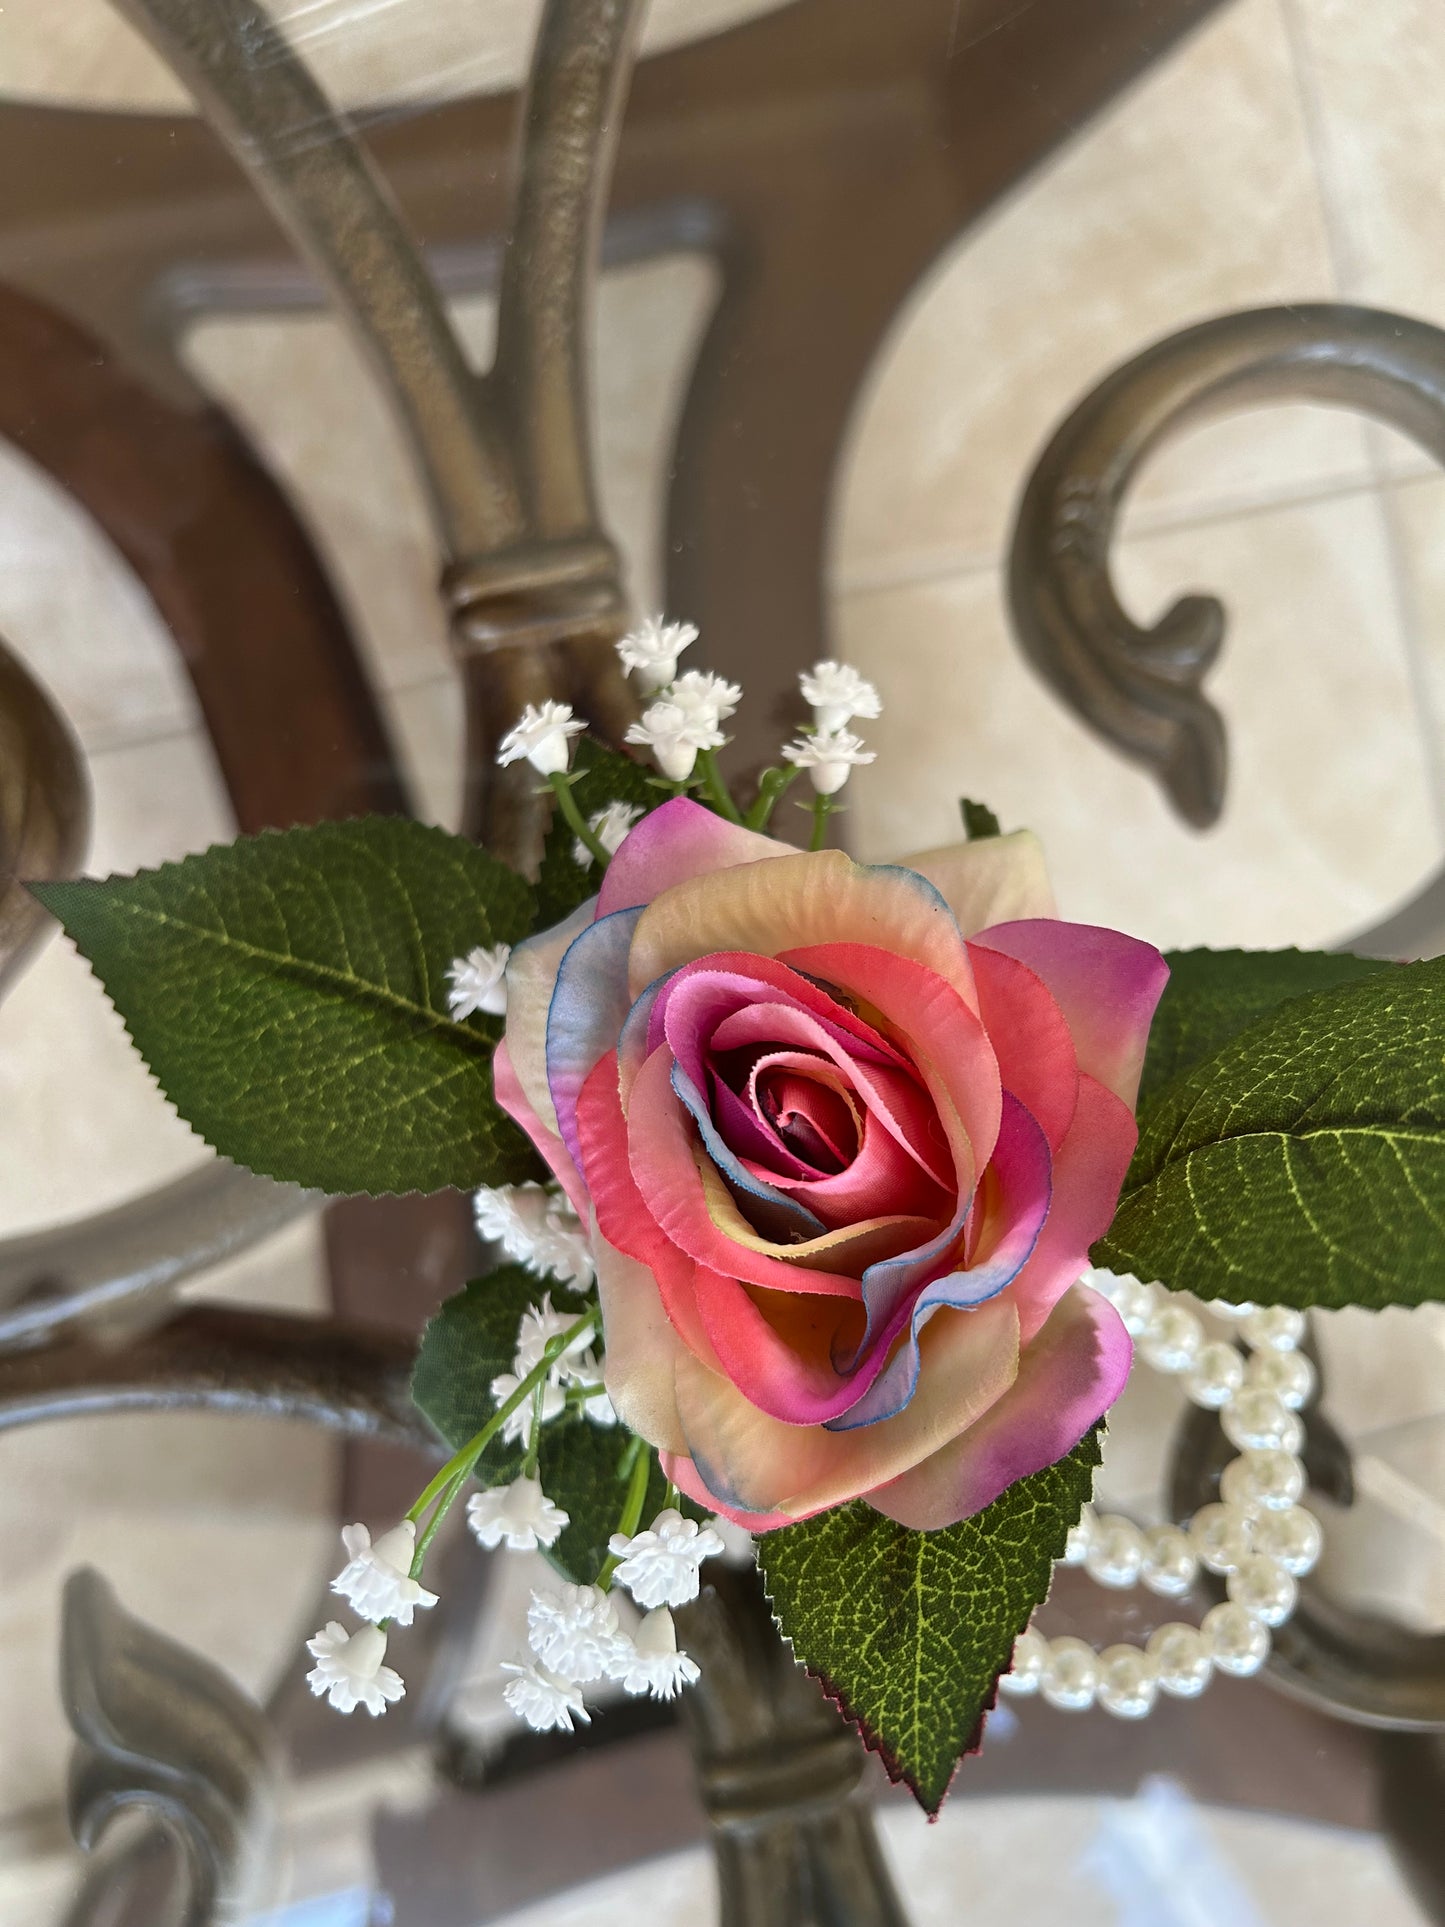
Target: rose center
[(816, 1122)]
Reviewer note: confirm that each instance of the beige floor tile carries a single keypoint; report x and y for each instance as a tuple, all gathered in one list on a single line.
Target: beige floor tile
[(1419, 523), (296, 385), (82, 51), (1376, 75), (79, 619), (1153, 218), (1329, 818)]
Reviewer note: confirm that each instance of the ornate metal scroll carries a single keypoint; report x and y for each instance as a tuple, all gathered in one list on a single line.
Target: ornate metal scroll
[(164, 1732), (1142, 689), (778, 1771), (44, 806), (532, 579)]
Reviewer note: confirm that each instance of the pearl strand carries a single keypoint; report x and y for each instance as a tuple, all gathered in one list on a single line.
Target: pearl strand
[(1256, 1535)]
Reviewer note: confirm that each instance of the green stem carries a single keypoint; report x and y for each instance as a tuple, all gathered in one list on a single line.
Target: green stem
[(714, 788), (631, 1507), (534, 1436), (460, 1464), (822, 809), (567, 804), (672, 1498), (773, 785)]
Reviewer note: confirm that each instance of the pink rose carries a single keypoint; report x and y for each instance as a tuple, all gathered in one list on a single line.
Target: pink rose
[(845, 1135)]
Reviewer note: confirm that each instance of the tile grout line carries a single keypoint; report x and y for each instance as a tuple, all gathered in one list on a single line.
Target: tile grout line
[(925, 570), (1347, 276)]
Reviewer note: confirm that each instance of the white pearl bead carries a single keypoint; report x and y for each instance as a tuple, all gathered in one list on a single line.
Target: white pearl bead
[(1257, 1421), (1293, 1537), (1289, 1375), (1238, 1642), (1263, 1587), (1215, 1376), (1181, 1654), (1221, 1536), (1275, 1328), (1071, 1675), (1170, 1562), (1116, 1552), (1172, 1338), (1278, 1478), (1128, 1682), (1030, 1657), (1080, 1535), (1134, 1303)]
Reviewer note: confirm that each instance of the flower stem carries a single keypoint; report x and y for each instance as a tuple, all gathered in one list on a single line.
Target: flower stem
[(823, 808), (534, 1434), (567, 804), (641, 1456), (459, 1466), (714, 788), (773, 785)]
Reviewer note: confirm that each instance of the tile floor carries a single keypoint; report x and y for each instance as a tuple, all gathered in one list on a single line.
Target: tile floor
[(1290, 150)]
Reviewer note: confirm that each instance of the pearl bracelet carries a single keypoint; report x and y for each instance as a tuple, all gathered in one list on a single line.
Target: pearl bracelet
[(1256, 1536)]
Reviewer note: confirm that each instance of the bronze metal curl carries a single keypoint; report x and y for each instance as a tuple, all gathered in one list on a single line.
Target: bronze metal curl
[(1142, 689)]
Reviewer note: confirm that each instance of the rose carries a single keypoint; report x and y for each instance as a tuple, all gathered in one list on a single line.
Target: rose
[(844, 1136)]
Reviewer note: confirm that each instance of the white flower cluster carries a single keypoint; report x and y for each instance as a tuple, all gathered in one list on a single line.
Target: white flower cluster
[(577, 1638), (479, 982), (689, 711), (543, 735), (536, 1226), (610, 827), (829, 750), (576, 1366), (376, 1583)]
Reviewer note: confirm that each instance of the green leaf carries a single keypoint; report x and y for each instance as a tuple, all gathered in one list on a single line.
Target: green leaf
[(1213, 994), (602, 776), (468, 1343), (978, 820), (1304, 1163), (909, 1631), (289, 993)]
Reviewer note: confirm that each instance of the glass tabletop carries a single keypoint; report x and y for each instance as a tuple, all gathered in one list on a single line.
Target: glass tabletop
[(862, 262)]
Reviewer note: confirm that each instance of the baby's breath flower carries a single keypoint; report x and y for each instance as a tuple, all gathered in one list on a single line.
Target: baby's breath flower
[(838, 694), (536, 1329), (519, 1513), (828, 757), (543, 735), (610, 827), (674, 737), (349, 1670), (376, 1581), (575, 1632), (659, 1567), (597, 1406), (542, 1698), (479, 982), (518, 1423), (704, 697), (537, 1228), (652, 650), (650, 1661)]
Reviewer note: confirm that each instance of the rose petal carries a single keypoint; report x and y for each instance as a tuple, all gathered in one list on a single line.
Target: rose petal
[(642, 1347), (794, 901), (1088, 1174), (513, 1100), (1017, 1193), (1068, 1377), (992, 880), (531, 976), (589, 1007), (684, 1475), (1030, 1038), (1106, 984), (749, 1460), (675, 844)]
